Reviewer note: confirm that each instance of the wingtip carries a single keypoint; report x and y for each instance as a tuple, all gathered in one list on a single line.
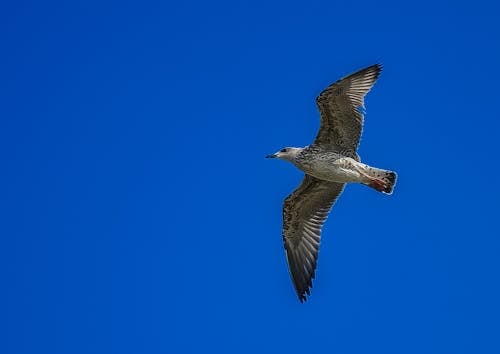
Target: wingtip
[(378, 67), (373, 72), (302, 294)]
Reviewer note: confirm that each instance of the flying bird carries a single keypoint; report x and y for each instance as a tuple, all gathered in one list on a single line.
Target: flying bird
[(329, 163)]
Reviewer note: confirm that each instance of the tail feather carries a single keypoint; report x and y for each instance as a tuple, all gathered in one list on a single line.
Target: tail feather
[(382, 180)]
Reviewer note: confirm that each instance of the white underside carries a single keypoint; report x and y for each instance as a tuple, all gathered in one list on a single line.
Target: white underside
[(343, 170)]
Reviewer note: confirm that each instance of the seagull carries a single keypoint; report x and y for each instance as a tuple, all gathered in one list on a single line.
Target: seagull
[(329, 163)]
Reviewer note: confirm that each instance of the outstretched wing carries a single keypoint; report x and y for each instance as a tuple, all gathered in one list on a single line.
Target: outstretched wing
[(341, 108), (304, 212)]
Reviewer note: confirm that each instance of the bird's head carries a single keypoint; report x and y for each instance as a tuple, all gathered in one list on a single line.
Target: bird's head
[(288, 154)]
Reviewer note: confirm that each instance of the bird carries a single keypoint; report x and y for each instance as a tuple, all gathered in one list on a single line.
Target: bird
[(328, 164)]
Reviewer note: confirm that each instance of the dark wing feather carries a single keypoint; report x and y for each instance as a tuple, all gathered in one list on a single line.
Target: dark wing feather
[(341, 108), (304, 213)]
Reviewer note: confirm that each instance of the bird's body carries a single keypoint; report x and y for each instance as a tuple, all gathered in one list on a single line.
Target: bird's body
[(329, 163)]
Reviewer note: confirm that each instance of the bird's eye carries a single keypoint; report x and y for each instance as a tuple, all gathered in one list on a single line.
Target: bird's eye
[(283, 150)]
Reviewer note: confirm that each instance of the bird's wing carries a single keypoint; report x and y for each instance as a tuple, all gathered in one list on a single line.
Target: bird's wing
[(304, 212), (341, 106)]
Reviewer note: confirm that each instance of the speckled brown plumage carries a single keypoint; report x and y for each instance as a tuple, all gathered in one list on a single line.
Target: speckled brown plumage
[(329, 162)]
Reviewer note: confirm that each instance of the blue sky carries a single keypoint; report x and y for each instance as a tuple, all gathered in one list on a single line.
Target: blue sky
[(139, 214)]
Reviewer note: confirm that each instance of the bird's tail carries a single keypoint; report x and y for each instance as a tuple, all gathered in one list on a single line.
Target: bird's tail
[(381, 180)]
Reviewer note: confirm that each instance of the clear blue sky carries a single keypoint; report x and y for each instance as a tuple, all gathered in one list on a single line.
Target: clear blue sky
[(139, 215)]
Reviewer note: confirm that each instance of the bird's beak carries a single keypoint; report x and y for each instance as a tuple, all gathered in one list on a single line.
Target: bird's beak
[(271, 156)]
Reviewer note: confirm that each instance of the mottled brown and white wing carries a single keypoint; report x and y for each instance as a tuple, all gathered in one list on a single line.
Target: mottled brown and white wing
[(341, 108), (304, 213)]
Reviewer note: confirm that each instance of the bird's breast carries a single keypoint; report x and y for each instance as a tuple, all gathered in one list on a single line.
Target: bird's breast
[(333, 168)]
